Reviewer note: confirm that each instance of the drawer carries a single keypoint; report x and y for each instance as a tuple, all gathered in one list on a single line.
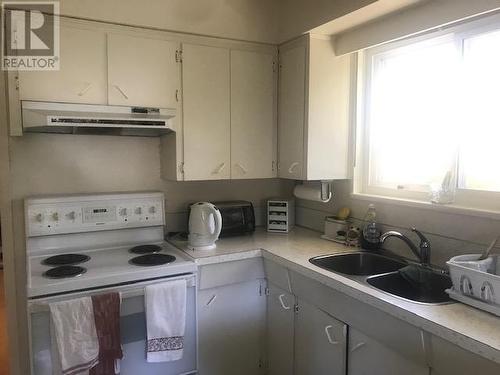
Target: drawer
[(214, 275)]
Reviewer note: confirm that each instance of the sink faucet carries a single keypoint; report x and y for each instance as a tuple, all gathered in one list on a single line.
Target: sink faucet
[(423, 252)]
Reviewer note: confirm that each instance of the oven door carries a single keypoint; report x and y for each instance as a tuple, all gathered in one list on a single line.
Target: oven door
[(133, 332)]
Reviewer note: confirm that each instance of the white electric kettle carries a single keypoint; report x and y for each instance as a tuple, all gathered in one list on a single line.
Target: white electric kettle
[(205, 224)]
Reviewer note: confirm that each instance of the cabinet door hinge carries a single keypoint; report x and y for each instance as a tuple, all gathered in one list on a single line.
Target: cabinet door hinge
[(177, 95), (274, 66), (181, 167), (296, 308), (278, 166), (178, 56), (263, 290)]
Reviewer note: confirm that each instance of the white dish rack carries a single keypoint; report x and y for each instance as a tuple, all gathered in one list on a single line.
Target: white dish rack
[(476, 282)]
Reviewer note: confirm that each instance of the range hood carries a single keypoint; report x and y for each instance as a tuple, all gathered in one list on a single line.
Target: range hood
[(67, 118)]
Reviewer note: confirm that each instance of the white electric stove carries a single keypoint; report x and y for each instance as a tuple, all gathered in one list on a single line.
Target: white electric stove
[(90, 244)]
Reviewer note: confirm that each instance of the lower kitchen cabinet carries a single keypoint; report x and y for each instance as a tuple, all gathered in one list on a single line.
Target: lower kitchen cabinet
[(280, 330), (449, 359), (231, 329), (367, 356), (320, 342)]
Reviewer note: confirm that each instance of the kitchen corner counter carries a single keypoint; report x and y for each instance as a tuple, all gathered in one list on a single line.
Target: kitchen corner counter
[(465, 326)]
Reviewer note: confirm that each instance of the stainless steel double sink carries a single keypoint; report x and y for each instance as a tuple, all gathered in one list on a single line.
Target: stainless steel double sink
[(392, 275)]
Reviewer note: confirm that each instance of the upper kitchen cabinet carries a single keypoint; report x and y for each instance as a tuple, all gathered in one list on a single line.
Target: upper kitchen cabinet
[(142, 71), (206, 112), (228, 116), (82, 77), (313, 111), (253, 115)]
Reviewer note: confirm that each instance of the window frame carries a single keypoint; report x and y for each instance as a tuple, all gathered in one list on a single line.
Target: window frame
[(468, 198)]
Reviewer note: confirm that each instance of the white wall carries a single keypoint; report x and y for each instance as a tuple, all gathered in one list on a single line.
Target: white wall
[(449, 234), (270, 21), (296, 17), (239, 19)]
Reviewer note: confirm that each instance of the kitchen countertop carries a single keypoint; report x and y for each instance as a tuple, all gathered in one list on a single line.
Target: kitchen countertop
[(465, 326)]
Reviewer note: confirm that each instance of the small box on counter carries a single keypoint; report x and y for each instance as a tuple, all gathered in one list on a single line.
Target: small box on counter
[(280, 215)]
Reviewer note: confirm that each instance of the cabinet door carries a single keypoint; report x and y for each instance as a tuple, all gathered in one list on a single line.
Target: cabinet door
[(231, 324), (82, 74), (253, 125), (292, 112), (369, 357), (142, 71), (448, 358), (205, 91), (280, 331), (320, 342)]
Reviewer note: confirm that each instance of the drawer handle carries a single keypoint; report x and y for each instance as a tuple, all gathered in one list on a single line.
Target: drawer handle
[(281, 298), (357, 346), (85, 89), (120, 91), (293, 166), (219, 168), (329, 336)]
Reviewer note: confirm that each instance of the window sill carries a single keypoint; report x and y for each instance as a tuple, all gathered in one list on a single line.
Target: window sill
[(448, 208)]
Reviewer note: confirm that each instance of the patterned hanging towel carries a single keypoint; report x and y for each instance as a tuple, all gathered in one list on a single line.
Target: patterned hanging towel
[(165, 320), (107, 322)]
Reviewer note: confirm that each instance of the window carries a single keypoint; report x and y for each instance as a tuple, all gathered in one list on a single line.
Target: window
[(431, 117)]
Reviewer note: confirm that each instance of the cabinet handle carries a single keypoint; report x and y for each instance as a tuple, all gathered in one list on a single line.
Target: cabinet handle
[(85, 89), (120, 91), (329, 336), (243, 169), (357, 346), (219, 168), (292, 167), (282, 301), (211, 300)]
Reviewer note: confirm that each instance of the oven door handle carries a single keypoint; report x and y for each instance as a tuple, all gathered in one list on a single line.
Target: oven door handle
[(126, 291)]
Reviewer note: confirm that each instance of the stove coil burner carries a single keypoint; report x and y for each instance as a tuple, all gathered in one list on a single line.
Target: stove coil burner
[(63, 272), (152, 260), (145, 249), (66, 260)]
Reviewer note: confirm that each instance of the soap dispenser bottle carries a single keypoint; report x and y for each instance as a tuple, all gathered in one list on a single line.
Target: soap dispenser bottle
[(370, 235)]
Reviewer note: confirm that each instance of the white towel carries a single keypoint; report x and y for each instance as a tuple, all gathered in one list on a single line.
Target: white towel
[(75, 335), (165, 320)]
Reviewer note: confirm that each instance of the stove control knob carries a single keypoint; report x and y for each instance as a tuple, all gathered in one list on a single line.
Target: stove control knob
[(123, 212), (39, 217), (55, 216), (138, 210), (71, 215), (152, 209)]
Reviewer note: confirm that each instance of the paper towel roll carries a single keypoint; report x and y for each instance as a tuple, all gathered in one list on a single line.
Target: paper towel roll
[(312, 191)]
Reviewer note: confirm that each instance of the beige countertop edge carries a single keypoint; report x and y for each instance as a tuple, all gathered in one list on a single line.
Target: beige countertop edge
[(444, 321)]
